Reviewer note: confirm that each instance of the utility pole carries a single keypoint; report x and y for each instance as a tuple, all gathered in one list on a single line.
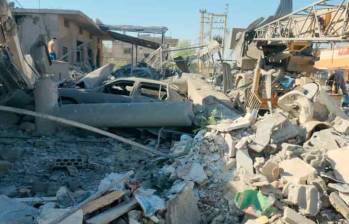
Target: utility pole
[(212, 24)]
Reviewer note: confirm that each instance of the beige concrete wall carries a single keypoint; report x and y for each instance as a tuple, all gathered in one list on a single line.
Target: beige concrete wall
[(52, 25), (68, 37), (31, 26)]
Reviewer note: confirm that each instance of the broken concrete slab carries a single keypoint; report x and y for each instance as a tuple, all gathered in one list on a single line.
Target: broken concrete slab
[(244, 161), (12, 211), (183, 208), (292, 217), (288, 131), (339, 161), (203, 94), (240, 123), (341, 125), (326, 140), (193, 172), (296, 171), (339, 205), (96, 78), (265, 129)]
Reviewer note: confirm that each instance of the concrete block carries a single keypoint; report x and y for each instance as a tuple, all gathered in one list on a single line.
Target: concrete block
[(339, 161), (307, 197), (265, 129), (341, 125), (244, 161), (292, 217), (271, 171), (296, 171)]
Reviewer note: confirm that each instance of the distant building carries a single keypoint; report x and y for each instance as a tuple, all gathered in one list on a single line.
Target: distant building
[(122, 52), (79, 39)]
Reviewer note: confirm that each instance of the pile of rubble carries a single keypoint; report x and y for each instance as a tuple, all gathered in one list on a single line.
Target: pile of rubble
[(290, 163)]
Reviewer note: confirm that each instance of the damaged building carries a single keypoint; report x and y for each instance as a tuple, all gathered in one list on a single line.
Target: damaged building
[(79, 39), (172, 139)]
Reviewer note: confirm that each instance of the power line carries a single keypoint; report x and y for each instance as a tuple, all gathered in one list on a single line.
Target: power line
[(18, 3)]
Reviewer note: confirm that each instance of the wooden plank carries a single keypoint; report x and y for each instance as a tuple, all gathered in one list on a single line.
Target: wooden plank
[(113, 213), (102, 202)]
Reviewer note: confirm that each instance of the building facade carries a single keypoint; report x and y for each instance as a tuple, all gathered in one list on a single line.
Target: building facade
[(79, 39), (122, 52)]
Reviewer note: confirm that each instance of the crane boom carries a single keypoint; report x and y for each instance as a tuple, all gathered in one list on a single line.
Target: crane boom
[(325, 20)]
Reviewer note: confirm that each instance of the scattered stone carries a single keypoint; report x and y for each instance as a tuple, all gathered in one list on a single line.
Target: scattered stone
[(244, 161), (65, 198), (265, 129), (296, 171), (271, 170), (183, 208), (193, 172), (292, 217)]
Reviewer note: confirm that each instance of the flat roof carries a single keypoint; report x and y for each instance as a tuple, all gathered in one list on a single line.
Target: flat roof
[(134, 40), (76, 16)]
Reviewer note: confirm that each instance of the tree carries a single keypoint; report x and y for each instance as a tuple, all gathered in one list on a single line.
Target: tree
[(182, 44)]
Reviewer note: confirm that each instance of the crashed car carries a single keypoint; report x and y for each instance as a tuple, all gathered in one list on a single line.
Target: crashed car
[(122, 90)]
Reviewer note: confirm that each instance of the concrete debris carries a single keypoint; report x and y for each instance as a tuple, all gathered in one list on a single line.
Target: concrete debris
[(306, 197), (339, 205), (97, 77), (221, 144), (338, 160), (265, 130), (296, 171), (184, 207), (149, 202), (244, 161), (193, 172), (292, 217)]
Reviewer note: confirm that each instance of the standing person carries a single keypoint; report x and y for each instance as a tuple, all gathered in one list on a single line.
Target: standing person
[(52, 46), (336, 81)]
